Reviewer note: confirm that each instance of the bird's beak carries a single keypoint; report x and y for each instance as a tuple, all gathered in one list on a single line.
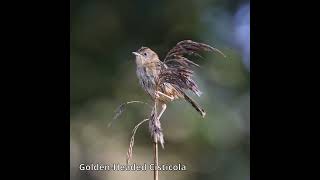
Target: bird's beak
[(135, 53)]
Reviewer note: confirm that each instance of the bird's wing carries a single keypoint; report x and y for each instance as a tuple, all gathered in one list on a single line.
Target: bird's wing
[(178, 68), (188, 47)]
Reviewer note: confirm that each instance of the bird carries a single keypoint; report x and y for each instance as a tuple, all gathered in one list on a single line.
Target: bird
[(169, 80)]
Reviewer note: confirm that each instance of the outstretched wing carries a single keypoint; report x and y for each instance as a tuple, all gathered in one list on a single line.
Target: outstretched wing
[(177, 68), (190, 48)]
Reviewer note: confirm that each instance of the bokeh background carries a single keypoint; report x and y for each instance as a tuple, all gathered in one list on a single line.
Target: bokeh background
[(103, 35)]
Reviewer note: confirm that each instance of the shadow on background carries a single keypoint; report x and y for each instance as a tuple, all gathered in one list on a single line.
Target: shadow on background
[(103, 35)]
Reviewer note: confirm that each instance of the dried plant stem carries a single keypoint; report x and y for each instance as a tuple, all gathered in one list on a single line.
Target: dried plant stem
[(122, 108), (155, 170), (155, 148), (129, 153)]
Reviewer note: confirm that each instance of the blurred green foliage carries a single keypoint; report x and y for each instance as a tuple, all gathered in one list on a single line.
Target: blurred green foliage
[(103, 35)]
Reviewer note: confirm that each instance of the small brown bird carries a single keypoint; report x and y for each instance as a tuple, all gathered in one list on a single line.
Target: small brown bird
[(169, 79)]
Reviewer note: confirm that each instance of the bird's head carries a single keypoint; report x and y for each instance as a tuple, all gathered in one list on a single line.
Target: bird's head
[(145, 55)]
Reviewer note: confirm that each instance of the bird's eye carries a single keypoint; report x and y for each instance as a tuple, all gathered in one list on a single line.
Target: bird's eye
[(145, 54)]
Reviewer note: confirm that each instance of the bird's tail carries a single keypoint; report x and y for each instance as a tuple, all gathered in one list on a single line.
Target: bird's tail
[(194, 104)]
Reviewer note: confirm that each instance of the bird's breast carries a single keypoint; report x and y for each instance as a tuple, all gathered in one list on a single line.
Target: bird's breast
[(147, 79)]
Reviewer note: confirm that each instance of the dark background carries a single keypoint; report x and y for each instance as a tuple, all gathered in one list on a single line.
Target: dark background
[(102, 76)]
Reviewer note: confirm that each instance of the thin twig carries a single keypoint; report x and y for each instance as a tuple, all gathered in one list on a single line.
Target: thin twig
[(122, 108), (155, 159), (130, 150), (155, 146)]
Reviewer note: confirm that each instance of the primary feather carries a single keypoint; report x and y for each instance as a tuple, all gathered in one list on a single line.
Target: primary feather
[(178, 70)]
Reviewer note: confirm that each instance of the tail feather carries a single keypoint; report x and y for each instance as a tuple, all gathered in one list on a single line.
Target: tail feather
[(195, 105)]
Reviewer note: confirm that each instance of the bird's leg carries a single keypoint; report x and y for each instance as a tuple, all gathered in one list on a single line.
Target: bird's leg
[(169, 97), (163, 108), (163, 105)]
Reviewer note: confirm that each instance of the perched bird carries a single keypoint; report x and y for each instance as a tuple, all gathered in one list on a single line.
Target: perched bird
[(168, 80)]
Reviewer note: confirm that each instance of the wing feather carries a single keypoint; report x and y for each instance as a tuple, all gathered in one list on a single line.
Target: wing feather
[(177, 69)]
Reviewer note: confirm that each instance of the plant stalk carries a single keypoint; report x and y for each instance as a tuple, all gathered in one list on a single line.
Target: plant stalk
[(155, 155)]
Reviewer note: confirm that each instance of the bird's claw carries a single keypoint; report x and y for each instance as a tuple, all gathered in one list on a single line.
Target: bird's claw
[(157, 95)]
